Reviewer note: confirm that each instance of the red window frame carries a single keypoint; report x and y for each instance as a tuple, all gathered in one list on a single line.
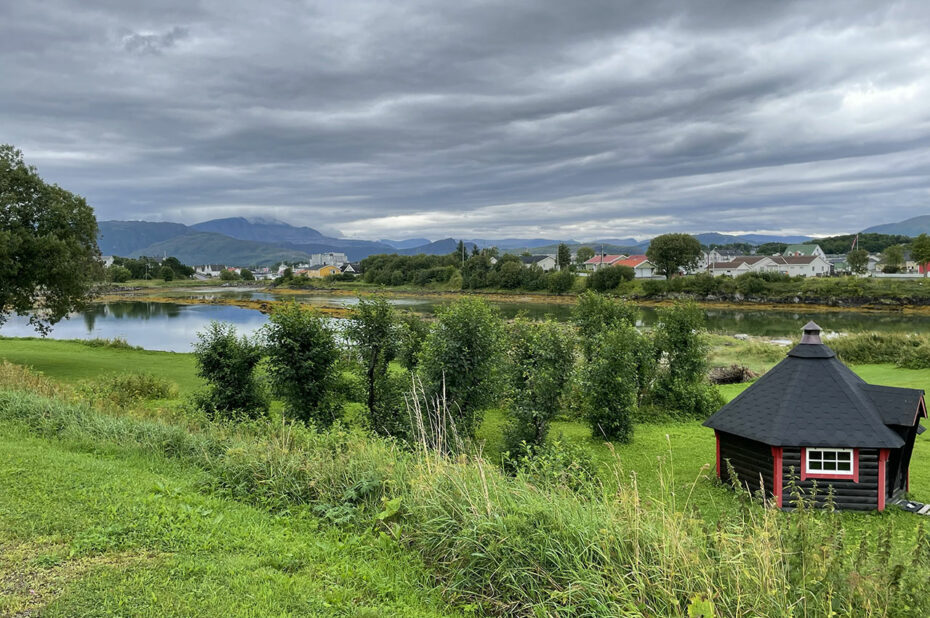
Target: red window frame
[(854, 477)]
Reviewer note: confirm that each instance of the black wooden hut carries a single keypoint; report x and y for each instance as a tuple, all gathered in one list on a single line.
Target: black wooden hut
[(812, 419)]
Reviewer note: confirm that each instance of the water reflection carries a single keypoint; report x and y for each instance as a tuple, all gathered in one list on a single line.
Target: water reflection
[(154, 326), (166, 326)]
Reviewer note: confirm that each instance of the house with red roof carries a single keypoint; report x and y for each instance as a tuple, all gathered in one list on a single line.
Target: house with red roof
[(603, 261), (640, 265)]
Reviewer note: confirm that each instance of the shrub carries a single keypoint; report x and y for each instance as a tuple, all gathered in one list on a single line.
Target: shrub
[(611, 383), (116, 342), (606, 279), (373, 330), (560, 281), (412, 332), (540, 356), (593, 314), (227, 362), (555, 464), (166, 273), (119, 274), (682, 383), (302, 355), (229, 275), (461, 357)]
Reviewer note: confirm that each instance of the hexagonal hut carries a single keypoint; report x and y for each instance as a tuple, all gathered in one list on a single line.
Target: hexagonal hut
[(811, 417)]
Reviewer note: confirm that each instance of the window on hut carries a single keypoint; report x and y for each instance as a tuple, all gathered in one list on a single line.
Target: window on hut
[(830, 461)]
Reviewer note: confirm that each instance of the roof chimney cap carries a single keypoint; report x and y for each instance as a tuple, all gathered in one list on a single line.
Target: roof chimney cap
[(811, 333)]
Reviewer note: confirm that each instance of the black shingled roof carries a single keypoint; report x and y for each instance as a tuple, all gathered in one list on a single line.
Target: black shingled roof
[(812, 399)]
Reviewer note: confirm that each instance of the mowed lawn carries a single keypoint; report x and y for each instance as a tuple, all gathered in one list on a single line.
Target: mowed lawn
[(92, 530)]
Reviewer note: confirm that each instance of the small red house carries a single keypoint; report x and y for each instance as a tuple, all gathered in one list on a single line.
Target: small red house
[(809, 420)]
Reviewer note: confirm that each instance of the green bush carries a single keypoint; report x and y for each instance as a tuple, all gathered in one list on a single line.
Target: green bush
[(227, 362), (593, 314), (540, 357), (611, 383), (606, 279), (560, 281), (461, 357), (116, 342), (302, 355)]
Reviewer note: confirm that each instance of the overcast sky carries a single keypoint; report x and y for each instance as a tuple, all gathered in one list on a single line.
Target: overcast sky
[(479, 119)]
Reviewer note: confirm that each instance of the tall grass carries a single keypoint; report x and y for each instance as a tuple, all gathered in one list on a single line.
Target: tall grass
[(911, 351), (519, 545)]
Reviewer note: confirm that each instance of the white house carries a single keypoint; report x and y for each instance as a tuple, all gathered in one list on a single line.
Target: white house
[(546, 262), (107, 260), (209, 270), (642, 267), (803, 250), (599, 261), (742, 265), (328, 259), (815, 265)]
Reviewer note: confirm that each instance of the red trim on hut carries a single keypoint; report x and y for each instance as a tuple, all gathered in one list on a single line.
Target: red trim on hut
[(882, 459), (777, 452)]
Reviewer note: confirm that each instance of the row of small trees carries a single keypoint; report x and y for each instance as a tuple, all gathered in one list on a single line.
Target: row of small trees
[(600, 364)]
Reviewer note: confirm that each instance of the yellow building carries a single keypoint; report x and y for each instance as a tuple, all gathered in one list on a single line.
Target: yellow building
[(323, 271)]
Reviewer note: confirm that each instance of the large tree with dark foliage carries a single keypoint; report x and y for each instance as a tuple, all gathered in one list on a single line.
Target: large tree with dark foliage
[(48, 245), (673, 252)]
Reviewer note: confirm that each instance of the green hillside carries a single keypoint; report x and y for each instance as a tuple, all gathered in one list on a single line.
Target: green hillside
[(909, 227), (124, 237), (206, 248)]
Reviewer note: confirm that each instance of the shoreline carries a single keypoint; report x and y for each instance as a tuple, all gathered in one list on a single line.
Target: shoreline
[(266, 306)]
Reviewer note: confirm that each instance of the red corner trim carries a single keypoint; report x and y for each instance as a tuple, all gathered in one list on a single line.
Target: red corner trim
[(803, 463), (717, 436), (882, 458), (777, 452)]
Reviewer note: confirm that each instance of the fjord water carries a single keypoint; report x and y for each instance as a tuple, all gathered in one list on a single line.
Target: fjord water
[(174, 327)]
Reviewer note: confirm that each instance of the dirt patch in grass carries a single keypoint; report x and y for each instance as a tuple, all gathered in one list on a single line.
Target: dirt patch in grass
[(33, 574)]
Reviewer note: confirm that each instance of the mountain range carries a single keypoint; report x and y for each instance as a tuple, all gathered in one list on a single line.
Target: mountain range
[(263, 242), (915, 226)]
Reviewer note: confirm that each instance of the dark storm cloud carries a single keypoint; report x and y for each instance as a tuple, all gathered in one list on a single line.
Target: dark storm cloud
[(434, 118)]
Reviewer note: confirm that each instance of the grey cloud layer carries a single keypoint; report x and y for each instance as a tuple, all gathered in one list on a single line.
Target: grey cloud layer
[(435, 118)]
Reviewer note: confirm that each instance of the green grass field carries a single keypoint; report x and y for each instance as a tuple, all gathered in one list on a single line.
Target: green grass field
[(99, 529), (91, 530)]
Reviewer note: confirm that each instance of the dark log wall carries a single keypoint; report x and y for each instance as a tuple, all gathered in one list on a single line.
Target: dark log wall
[(749, 460), (847, 494)]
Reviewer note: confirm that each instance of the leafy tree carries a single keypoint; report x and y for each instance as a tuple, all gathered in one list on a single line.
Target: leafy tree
[(118, 274), (771, 248), (920, 251), (611, 383), (166, 273), (302, 355), (893, 257), (682, 383), (595, 314), (462, 354), (227, 362), (564, 256), (674, 252), (560, 281), (229, 275), (413, 331), (181, 271), (48, 246), (373, 329), (583, 254), (870, 242), (858, 260), (540, 355), (606, 279), (246, 275)]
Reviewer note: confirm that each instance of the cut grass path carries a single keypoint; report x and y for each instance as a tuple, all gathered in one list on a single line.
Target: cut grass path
[(92, 530)]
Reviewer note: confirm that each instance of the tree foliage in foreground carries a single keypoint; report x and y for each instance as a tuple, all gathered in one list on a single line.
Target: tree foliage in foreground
[(48, 245), (302, 354), (462, 355), (227, 362), (541, 357), (374, 330), (611, 382)]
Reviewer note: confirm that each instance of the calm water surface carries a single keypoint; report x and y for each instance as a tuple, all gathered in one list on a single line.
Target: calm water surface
[(164, 326)]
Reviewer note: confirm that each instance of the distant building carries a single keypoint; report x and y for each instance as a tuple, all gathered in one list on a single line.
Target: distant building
[(602, 261), (352, 268), (331, 259), (642, 267), (545, 262), (803, 250), (794, 266), (107, 260), (209, 270)]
